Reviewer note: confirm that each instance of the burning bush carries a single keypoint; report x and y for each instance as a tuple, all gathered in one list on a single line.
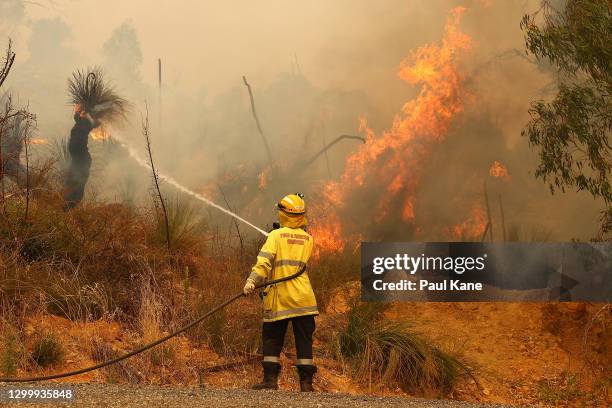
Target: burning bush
[(375, 196), (92, 94)]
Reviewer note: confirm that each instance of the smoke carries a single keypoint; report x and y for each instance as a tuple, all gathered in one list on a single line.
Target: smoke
[(122, 53), (12, 12), (315, 69)]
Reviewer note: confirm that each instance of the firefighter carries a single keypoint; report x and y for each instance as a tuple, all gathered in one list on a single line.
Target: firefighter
[(286, 250)]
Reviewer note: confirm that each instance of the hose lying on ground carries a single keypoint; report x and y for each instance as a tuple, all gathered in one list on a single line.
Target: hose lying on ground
[(154, 343)]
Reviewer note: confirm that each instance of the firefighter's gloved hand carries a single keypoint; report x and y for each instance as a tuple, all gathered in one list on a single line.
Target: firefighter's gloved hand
[(249, 286)]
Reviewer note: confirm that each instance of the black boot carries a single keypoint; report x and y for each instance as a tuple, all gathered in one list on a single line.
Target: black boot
[(306, 373), (270, 380)]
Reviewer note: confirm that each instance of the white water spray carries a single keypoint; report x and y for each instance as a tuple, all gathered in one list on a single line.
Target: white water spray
[(180, 187)]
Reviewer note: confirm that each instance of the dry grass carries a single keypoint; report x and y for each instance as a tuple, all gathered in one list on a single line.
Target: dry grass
[(330, 272), (100, 351), (150, 320), (12, 350), (47, 350), (384, 353), (109, 261)]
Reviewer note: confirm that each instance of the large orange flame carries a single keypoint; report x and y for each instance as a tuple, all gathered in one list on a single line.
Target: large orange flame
[(381, 178), (498, 170), (471, 228), (263, 178)]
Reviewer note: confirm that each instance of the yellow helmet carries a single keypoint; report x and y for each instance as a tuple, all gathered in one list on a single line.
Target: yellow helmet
[(292, 204)]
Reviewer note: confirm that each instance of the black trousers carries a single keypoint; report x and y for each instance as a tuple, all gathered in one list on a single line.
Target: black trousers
[(273, 336)]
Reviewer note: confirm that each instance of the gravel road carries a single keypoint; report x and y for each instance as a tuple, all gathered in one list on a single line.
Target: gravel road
[(128, 396)]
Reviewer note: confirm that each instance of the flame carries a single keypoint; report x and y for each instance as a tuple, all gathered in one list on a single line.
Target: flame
[(471, 228), (498, 170), (99, 133), (38, 141), (326, 240), (263, 178), (386, 170)]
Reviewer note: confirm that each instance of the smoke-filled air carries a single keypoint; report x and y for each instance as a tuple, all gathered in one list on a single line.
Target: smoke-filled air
[(435, 100)]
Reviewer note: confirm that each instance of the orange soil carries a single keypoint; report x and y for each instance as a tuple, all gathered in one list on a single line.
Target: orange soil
[(516, 348), (513, 348)]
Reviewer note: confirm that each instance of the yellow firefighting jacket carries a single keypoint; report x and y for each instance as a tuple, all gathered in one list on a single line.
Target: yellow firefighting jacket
[(285, 251)]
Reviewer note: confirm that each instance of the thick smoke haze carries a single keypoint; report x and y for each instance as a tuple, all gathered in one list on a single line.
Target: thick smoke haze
[(315, 68)]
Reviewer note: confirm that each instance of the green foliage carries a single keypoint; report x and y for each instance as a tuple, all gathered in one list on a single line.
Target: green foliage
[(12, 351), (47, 350), (561, 390), (385, 352), (572, 132)]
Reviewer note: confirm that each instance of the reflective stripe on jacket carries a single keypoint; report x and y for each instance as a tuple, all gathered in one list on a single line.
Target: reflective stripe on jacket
[(285, 251)]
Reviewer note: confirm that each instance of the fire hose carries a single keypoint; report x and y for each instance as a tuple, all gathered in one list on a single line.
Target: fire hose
[(154, 343)]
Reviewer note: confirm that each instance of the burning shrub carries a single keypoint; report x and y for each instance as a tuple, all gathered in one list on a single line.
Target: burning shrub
[(385, 352), (89, 91)]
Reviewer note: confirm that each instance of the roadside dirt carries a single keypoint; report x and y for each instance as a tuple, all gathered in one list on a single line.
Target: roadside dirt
[(520, 353)]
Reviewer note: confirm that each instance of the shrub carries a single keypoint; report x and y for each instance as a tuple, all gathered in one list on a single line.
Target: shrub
[(74, 299), (123, 371), (330, 272), (560, 390), (151, 320), (384, 352), (186, 225), (11, 351), (234, 329), (47, 350)]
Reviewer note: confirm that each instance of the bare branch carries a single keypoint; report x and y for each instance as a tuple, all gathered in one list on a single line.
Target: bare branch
[(235, 222), (329, 145), (146, 134), (263, 136), (8, 63)]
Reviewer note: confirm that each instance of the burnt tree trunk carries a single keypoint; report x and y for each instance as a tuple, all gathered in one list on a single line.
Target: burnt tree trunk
[(80, 160)]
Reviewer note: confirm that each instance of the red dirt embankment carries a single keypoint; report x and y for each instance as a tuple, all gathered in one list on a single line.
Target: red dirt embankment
[(523, 352), (520, 353)]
